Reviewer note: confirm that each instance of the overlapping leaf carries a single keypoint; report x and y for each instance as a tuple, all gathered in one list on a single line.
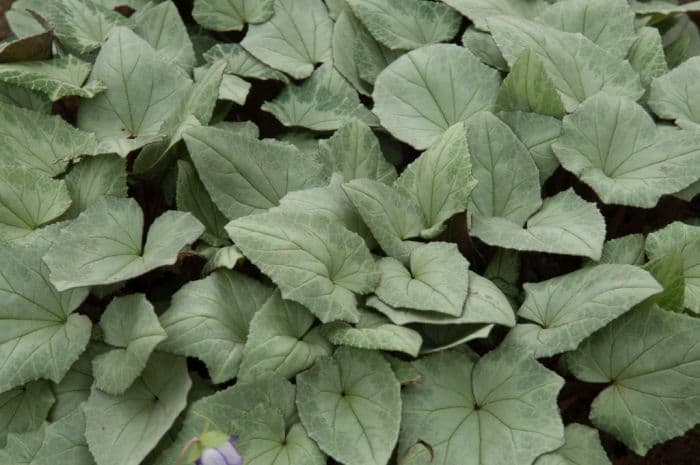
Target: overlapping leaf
[(105, 245), (209, 319), (297, 37), (312, 259), (416, 98), (614, 146), (496, 410), (651, 358)]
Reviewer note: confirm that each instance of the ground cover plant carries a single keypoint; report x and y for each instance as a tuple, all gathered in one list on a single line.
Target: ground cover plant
[(358, 232)]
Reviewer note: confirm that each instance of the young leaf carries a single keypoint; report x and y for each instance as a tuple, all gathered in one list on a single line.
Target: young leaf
[(437, 280), (440, 180), (536, 132), (40, 142), (313, 260), (122, 430), (407, 24), (255, 176), (652, 360), (566, 224), (192, 197), (281, 340), (104, 245), (92, 178), (485, 303), (668, 271), (220, 257), (351, 406), (528, 87), (614, 146), (28, 199), (349, 30), (582, 447), (131, 327), (209, 319), (162, 27), (231, 15), (578, 68), (24, 408), (57, 78), (499, 409), (324, 102), (484, 47), (373, 332), (675, 95), (354, 152), (44, 337), (392, 216), (416, 97), (684, 239), (267, 439), (371, 56), (507, 179), (626, 250), (607, 23), (142, 91), (647, 56), (480, 10), (297, 37), (563, 311)]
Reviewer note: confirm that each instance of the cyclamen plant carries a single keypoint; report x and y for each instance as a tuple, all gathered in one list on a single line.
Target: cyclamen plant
[(357, 232)]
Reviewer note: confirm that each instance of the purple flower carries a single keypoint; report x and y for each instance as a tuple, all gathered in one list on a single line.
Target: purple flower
[(224, 454)]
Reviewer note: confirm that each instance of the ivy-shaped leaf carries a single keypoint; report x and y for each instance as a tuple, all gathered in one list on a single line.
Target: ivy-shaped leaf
[(281, 340), (45, 337), (374, 332), (24, 408), (266, 439), (436, 281), (324, 102), (313, 260), (563, 311), (354, 152), (255, 176), (209, 319), (130, 326), (578, 68), (498, 409), (615, 147), (440, 180), (57, 78), (105, 245), (297, 37), (39, 142), (416, 99), (142, 90), (350, 405), (231, 15), (407, 24), (122, 429), (651, 358), (28, 199)]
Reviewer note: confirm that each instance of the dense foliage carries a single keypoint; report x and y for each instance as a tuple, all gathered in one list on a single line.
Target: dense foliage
[(362, 232)]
